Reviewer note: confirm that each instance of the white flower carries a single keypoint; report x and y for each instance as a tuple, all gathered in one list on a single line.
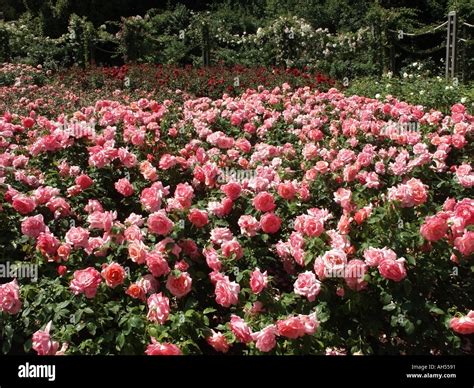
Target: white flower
[(405, 75), (463, 100)]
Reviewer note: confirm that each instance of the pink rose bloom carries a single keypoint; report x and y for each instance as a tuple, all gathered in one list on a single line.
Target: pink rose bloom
[(158, 308), (465, 243), (249, 226), (232, 190), (265, 338), (23, 204), (393, 269), (148, 283), (434, 228), (133, 233), (159, 223), (10, 297), (464, 175), (162, 349), (354, 274), (184, 194), (180, 285), (84, 181), (113, 274), (287, 190), (148, 171), (310, 323), (270, 223), (102, 220), (218, 341), (157, 264), (47, 244), (86, 281), (137, 252), (219, 235), (343, 197), (33, 226), (78, 237), (307, 285), (232, 247), (42, 342), (241, 330), (334, 262), (93, 206), (198, 218), (258, 281), (292, 327), (167, 161), (212, 259), (264, 202), (463, 325), (124, 187), (373, 256), (227, 292)]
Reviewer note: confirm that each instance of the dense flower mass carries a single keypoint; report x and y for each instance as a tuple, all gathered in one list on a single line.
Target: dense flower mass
[(283, 220)]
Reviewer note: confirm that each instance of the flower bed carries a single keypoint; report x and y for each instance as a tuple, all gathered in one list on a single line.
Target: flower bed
[(282, 221)]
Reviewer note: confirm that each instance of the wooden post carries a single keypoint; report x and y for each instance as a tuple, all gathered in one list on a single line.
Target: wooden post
[(451, 42)]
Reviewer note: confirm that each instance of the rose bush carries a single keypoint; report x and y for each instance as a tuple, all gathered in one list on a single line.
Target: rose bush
[(289, 221)]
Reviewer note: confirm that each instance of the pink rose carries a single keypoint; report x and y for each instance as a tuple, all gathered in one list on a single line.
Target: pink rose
[(232, 248), (180, 285), (286, 190), (86, 281), (292, 327), (157, 264), (463, 325), (265, 338), (184, 194), (264, 202), (33, 226), (219, 235), (227, 292), (258, 281), (114, 274), (465, 243), (162, 349), (232, 190), (47, 244), (124, 187), (198, 218), (10, 297), (137, 251), (78, 237), (23, 204), (240, 329), (307, 285), (270, 223), (373, 256), (434, 228), (354, 274), (249, 226), (159, 223), (393, 269), (218, 342), (84, 181), (42, 342), (158, 308)]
